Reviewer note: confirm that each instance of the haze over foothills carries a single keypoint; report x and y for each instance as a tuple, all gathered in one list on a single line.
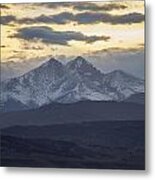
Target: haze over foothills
[(109, 34)]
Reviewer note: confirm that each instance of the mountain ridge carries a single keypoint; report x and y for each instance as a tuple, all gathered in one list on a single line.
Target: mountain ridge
[(77, 80), (82, 111)]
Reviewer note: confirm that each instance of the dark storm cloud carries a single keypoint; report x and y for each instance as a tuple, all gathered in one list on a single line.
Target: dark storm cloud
[(3, 6), (5, 20), (49, 36)]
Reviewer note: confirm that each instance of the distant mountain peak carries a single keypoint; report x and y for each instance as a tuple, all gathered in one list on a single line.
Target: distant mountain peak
[(78, 62), (118, 72), (121, 73), (52, 62), (75, 81), (79, 58)]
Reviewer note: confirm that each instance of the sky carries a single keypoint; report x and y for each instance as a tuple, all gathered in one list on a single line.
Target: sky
[(92, 29)]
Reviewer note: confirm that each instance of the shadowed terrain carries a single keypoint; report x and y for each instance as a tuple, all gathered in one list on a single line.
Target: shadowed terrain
[(108, 145), (56, 113)]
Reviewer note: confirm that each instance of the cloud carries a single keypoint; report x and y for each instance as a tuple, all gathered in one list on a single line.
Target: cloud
[(119, 50), (3, 6), (90, 18), (49, 36), (61, 18), (53, 5), (82, 6), (85, 18), (30, 46), (94, 7), (5, 20)]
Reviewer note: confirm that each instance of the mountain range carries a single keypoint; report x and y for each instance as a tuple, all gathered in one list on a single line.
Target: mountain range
[(76, 81)]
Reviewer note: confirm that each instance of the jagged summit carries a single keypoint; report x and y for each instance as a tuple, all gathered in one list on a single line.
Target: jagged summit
[(80, 59), (53, 62), (79, 63)]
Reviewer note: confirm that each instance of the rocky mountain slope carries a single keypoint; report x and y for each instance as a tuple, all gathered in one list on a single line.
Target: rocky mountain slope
[(78, 80)]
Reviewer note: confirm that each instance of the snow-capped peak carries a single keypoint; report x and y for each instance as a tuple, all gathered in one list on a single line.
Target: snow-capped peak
[(78, 80)]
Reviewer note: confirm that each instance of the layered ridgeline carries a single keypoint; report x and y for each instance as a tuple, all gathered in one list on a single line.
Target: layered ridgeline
[(76, 81)]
